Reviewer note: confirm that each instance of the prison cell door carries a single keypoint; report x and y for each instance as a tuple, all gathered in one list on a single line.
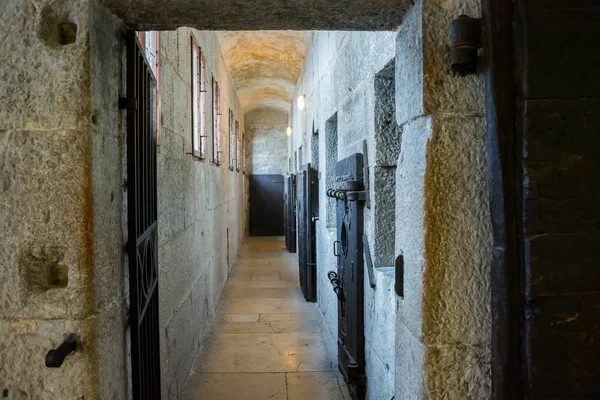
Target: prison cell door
[(347, 280), (289, 214), (308, 195)]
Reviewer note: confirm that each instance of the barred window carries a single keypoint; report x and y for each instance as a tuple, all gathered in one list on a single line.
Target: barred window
[(198, 101), (216, 122)]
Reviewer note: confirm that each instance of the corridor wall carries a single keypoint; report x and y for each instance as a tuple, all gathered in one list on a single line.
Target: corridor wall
[(427, 173)]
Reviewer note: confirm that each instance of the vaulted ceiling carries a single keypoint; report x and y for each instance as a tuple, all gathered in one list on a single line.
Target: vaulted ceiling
[(264, 65)]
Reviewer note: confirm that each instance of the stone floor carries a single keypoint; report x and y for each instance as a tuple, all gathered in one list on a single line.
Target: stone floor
[(267, 342)]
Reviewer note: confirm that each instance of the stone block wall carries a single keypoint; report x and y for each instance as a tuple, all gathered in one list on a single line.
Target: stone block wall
[(425, 134), (266, 141), (443, 227), (339, 80), (201, 207), (61, 200), (63, 212)]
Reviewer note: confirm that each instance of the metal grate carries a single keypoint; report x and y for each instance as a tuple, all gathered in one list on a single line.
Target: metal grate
[(142, 226)]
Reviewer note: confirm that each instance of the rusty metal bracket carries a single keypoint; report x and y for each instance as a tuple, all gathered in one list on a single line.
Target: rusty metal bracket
[(56, 357), (466, 41)]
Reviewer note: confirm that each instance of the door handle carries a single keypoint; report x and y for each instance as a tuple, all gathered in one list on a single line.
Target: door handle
[(335, 253)]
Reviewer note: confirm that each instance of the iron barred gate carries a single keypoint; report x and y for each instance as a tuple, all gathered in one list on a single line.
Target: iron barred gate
[(142, 223)]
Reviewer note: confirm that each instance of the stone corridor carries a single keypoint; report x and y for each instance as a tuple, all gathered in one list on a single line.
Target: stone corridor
[(266, 342)]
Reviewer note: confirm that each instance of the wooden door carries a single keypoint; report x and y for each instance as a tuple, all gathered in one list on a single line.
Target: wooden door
[(543, 113)]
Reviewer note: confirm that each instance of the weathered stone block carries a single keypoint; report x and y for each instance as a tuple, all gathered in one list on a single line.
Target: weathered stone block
[(458, 371), (49, 169), (458, 242), (38, 43), (409, 66), (410, 361), (384, 210), (356, 118), (387, 133), (410, 224)]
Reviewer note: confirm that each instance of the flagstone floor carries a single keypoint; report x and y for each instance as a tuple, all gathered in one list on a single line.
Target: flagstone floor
[(267, 342)]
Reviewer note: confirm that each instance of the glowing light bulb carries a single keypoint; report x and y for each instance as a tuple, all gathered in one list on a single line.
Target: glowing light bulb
[(289, 131), (301, 103)]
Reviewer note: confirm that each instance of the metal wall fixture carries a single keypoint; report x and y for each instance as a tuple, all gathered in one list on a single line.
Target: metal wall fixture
[(399, 275), (56, 357), (466, 42)]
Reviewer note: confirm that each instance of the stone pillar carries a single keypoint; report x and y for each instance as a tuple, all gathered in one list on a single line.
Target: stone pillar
[(60, 215), (443, 226)]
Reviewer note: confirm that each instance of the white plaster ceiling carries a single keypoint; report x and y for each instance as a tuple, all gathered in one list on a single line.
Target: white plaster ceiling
[(264, 65)]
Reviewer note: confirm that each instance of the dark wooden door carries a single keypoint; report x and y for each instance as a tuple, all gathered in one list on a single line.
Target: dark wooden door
[(142, 245), (290, 213), (266, 205), (543, 112), (308, 195), (302, 212), (349, 194)]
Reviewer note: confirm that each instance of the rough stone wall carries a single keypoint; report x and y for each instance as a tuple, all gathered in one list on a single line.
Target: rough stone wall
[(266, 141), (60, 196), (108, 171), (338, 80), (200, 208), (443, 227)]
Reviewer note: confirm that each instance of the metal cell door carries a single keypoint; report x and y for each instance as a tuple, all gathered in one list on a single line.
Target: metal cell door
[(307, 208), (266, 205), (347, 281), (142, 226), (290, 213)]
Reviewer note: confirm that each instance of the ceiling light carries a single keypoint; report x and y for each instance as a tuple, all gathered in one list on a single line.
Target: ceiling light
[(301, 103), (289, 131)]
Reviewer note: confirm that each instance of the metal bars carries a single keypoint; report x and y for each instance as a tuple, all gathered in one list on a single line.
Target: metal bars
[(142, 226)]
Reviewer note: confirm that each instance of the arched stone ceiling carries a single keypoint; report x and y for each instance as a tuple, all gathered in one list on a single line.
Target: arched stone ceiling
[(264, 65)]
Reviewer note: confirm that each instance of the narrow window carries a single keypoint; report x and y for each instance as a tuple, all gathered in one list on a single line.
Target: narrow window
[(150, 42), (231, 140), (198, 101), (216, 122), (237, 146)]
